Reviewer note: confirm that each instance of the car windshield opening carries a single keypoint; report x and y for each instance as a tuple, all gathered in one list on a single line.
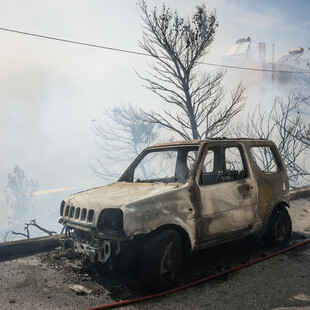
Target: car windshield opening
[(167, 165)]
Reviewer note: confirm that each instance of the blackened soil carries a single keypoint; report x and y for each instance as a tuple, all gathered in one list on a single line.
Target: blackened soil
[(122, 282)]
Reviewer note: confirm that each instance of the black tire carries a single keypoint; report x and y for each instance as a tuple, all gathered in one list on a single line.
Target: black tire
[(279, 227), (161, 261)]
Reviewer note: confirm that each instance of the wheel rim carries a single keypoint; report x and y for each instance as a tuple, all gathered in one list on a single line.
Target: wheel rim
[(280, 227), (168, 266)]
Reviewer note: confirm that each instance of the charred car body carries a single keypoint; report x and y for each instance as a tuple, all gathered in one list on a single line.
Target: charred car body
[(181, 197)]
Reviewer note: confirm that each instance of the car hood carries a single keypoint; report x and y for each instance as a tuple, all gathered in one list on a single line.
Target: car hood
[(118, 194)]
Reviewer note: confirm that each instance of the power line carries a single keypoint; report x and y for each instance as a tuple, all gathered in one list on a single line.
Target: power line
[(74, 42), (138, 53), (253, 69)]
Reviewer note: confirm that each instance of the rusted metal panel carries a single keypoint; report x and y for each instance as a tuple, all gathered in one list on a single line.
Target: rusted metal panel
[(171, 208)]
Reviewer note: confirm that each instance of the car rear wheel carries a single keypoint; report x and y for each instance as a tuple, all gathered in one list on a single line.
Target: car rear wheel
[(279, 228)]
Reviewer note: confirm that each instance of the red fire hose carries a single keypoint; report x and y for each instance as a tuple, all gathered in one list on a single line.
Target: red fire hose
[(131, 301)]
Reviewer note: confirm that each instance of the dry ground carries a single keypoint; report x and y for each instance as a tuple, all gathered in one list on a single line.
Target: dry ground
[(46, 281)]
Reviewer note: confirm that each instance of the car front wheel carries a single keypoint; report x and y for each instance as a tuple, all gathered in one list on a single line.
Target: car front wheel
[(161, 260)]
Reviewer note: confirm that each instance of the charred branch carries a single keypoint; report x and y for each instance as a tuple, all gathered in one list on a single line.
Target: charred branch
[(49, 232), (121, 136), (286, 127), (33, 223)]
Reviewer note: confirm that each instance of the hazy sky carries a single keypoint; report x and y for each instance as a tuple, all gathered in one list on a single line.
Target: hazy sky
[(50, 91)]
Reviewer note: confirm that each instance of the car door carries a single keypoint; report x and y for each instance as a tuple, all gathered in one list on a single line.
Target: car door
[(272, 180), (226, 194)]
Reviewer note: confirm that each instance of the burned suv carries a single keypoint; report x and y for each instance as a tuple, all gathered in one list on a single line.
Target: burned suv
[(180, 197)]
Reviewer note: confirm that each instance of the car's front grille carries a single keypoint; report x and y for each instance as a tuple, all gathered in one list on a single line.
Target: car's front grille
[(84, 215), (71, 212), (90, 216), (67, 211), (77, 213)]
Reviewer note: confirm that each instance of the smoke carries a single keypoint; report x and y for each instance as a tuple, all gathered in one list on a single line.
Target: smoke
[(50, 91)]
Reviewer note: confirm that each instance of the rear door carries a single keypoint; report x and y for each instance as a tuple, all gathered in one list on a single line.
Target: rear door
[(272, 181), (226, 193)]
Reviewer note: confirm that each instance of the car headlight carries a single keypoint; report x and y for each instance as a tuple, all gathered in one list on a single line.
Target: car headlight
[(110, 219)]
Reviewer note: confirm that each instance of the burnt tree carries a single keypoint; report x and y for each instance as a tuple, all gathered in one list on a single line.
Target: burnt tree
[(285, 126), (19, 193), (195, 97), (121, 136)]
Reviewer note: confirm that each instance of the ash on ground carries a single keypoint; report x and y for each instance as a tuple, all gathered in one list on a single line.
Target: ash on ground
[(122, 282)]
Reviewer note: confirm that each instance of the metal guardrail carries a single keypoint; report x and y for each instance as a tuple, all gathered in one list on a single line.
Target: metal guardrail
[(15, 249), (300, 193)]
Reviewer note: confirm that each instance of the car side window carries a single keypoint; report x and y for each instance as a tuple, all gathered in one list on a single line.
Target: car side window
[(208, 164), (208, 174), (233, 160), (222, 164), (191, 157), (265, 159)]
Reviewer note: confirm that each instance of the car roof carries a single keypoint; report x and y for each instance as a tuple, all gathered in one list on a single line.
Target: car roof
[(199, 142)]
